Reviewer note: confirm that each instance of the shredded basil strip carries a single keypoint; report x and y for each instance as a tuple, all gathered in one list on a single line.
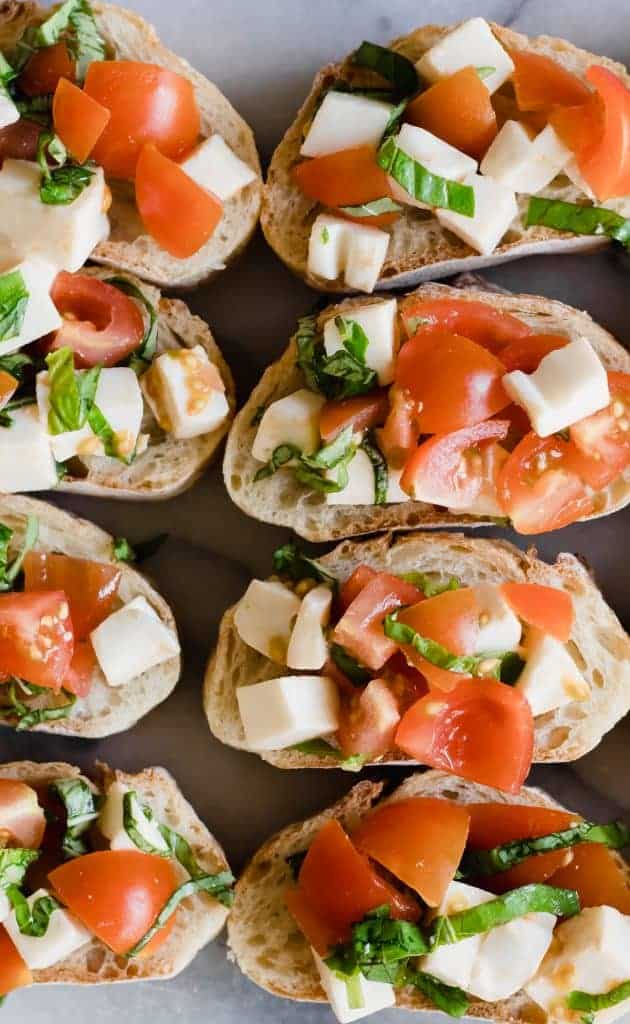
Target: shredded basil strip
[(7, 73), (27, 717), (81, 810), (73, 20), (145, 352), (9, 572), (280, 456), (581, 220), (355, 672), (448, 998), (341, 375), (176, 846), (381, 470), (311, 469), (289, 561), (485, 71), (101, 428), (14, 863), (591, 1003), (439, 655), (65, 184), (218, 886), (15, 363), (14, 298), (36, 108), (374, 208), (331, 454), (424, 186), (320, 748), (389, 64), (32, 921), (123, 551), (71, 394), (353, 337), (429, 586)]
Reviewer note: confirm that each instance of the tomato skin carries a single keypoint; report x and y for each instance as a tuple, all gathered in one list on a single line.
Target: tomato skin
[(117, 894), (79, 119), (457, 109), (526, 354), (455, 382), (489, 327), (322, 935), (451, 619), (45, 69), (90, 587), (349, 177), (604, 437), (20, 814), (13, 971), (361, 413), (81, 671), (368, 721), (8, 387), (399, 437), (597, 875), (420, 840), (547, 608), (362, 575), (541, 83), (404, 681), (101, 325), (148, 104), (36, 637), (360, 630), (19, 141), (483, 731)]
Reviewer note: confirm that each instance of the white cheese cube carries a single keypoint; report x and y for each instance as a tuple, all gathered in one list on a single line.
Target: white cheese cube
[(64, 935), (495, 209), (64, 234), (471, 43), (379, 324), (435, 154), (215, 167), (119, 398), (265, 616), (395, 492), (186, 393), (294, 420), (291, 709), (26, 459), (41, 315), (360, 487), (367, 248), (376, 995), (509, 956), (574, 174), (589, 954), (550, 678), (9, 113), (499, 628), (568, 385), (327, 248), (308, 648), (132, 640), (111, 822), (524, 164), (344, 121), (453, 964)]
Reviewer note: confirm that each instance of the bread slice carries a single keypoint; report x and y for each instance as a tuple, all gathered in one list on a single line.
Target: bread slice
[(420, 248), (130, 37), (599, 644), (106, 710), (198, 920), (280, 500)]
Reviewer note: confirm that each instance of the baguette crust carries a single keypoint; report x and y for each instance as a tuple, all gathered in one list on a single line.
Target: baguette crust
[(267, 944), (419, 248), (280, 500), (199, 919), (105, 710), (598, 643)]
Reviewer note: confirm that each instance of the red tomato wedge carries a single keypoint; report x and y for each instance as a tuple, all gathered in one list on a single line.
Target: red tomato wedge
[(604, 437), (117, 894), (13, 971), (506, 109), (81, 671), (404, 681), (36, 637), (349, 177), (420, 840), (483, 731), (455, 382), (457, 109), (525, 354), (452, 620), (399, 437), (101, 325), (19, 141), (45, 69), (580, 127), (90, 587), (475, 320), (360, 630), (368, 722), (148, 104), (179, 214), (598, 876), (541, 83), (8, 387), (546, 608), (362, 575), (322, 935), (360, 413), (79, 119), (20, 815), (539, 486)]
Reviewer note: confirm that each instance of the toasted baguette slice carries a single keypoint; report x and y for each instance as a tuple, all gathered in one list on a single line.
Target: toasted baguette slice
[(130, 37), (105, 710), (198, 920), (419, 249), (280, 500), (598, 642)]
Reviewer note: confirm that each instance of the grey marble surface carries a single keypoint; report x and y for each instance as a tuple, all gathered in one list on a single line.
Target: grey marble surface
[(263, 56)]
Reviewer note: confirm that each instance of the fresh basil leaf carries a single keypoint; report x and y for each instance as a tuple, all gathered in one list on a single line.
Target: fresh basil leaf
[(338, 376), (294, 862), (7, 74), (71, 394), (485, 71), (309, 349), (218, 886), (374, 208), (315, 480), (123, 551), (27, 718), (429, 586), (51, 30), (353, 337), (32, 921), (580, 220), (472, 664), (389, 64), (37, 109), (65, 184), (290, 561), (381, 470), (281, 456), (320, 748), (14, 298), (331, 454), (81, 810), (311, 469), (141, 358), (176, 846), (14, 863), (9, 572), (591, 1003), (16, 362), (447, 998), (102, 428), (424, 186), (50, 147), (355, 672), (393, 124), (85, 43)]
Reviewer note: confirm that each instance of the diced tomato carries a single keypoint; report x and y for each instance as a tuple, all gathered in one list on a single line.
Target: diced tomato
[(19, 141), (101, 324), (45, 68), (420, 840), (581, 126), (79, 119), (368, 721), (452, 620), (360, 630), (360, 413), (148, 104), (546, 608), (604, 437), (399, 437), (117, 895), (21, 817), (457, 109), (454, 381), (349, 177), (483, 730), (13, 971), (36, 637), (598, 876), (404, 681), (541, 83), (506, 109), (8, 387), (322, 935), (177, 212), (81, 672), (478, 321), (539, 486), (90, 587), (525, 354), (519, 423), (362, 575)]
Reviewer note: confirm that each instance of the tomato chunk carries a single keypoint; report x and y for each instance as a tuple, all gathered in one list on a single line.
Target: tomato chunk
[(20, 815), (399, 437), (604, 437), (478, 321), (369, 718), (101, 325), (525, 354), (8, 387), (598, 876), (355, 583), (547, 608), (81, 672), (483, 730), (360, 413), (79, 119), (457, 109), (360, 630), (420, 840), (349, 177), (90, 587), (45, 69), (36, 637), (452, 620), (541, 83), (13, 971), (19, 141), (322, 935)]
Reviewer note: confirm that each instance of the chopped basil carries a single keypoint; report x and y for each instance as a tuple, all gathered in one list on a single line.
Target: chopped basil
[(280, 456), (447, 998), (439, 655), (389, 64), (353, 337), (74, 21), (341, 375), (80, 805), (581, 220), (372, 209), (50, 147), (16, 362), (429, 586), (124, 552), (14, 864), (218, 886), (36, 108), (27, 718), (102, 429), (356, 673), (71, 394), (10, 571), (290, 561), (424, 186), (393, 124), (485, 71), (64, 184), (331, 454), (308, 341), (141, 358), (14, 298), (175, 844), (336, 455), (325, 236), (32, 921), (316, 481), (320, 748), (591, 1003), (381, 471)]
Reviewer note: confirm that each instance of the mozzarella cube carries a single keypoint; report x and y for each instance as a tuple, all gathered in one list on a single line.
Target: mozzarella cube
[(550, 678), (499, 628), (345, 120), (119, 398), (589, 954), (471, 43), (376, 995), (132, 640), (360, 489), (185, 392), (568, 385), (574, 174), (291, 709), (40, 315), (9, 113), (265, 616), (524, 164), (379, 324), (293, 420), (495, 209), (63, 234), (435, 154), (64, 935), (327, 248), (26, 458), (510, 955), (308, 648), (338, 247), (111, 822), (215, 167), (395, 492), (453, 964)]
